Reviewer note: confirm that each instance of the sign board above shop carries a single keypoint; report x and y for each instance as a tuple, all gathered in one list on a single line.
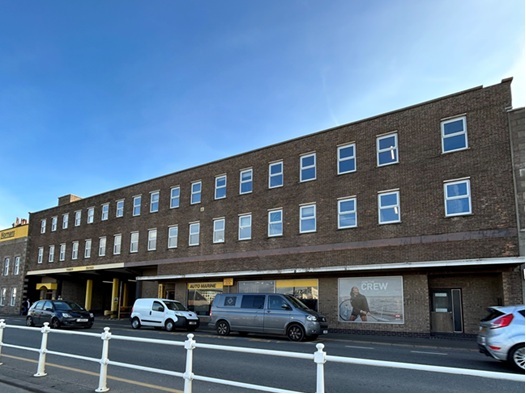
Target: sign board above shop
[(205, 286)]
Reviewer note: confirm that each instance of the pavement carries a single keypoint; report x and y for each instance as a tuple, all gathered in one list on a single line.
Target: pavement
[(16, 376)]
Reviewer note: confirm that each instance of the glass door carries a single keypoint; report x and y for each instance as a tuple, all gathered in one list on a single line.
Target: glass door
[(446, 310)]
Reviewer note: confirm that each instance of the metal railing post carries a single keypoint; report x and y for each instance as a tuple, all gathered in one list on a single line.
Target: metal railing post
[(189, 345), (41, 370), (319, 359), (2, 326), (103, 377)]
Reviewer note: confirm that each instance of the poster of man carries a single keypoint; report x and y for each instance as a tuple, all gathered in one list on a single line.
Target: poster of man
[(371, 300)]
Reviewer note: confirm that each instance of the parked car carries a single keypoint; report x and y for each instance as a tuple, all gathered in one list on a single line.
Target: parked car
[(267, 314), (59, 313), (160, 312), (501, 335)]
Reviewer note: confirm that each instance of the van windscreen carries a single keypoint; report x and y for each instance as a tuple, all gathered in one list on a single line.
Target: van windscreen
[(296, 302), (175, 306)]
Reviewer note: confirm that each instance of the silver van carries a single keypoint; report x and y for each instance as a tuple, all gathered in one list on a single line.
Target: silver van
[(266, 313), (161, 312)]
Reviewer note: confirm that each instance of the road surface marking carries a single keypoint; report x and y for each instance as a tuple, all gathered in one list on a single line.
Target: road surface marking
[(436, 353)]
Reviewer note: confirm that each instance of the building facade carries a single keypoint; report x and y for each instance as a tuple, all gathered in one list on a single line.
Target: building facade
[(416, 209)]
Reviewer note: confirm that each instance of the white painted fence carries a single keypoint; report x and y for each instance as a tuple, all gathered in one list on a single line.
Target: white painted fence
[(319, 357)]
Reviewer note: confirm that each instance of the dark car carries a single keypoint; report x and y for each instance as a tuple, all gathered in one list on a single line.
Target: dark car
[(59, 313)]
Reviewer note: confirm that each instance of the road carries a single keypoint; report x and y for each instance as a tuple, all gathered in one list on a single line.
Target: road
[(283, 373)]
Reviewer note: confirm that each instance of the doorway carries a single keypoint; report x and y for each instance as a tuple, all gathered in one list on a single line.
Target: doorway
[(446, 311)]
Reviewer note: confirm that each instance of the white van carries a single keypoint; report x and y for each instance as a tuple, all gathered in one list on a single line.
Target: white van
[(160, 312)]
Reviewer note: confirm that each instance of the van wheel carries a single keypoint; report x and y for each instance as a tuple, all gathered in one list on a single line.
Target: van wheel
[(136, 323), (516, 357), (222, 328), (169, 325), (295, 333)]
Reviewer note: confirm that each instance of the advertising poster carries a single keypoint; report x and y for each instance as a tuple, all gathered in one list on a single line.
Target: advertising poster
[(378, 299)]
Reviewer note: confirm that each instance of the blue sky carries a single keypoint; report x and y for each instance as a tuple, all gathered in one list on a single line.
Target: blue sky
[(96, 95)]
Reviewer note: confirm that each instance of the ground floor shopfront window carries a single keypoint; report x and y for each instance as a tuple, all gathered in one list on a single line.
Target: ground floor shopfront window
[(201, 295)]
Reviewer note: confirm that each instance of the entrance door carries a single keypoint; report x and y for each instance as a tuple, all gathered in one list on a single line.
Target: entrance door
[(446, 310)]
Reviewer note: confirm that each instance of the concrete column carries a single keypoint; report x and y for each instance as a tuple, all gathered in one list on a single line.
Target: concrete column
[(89, 294), (115, 296)]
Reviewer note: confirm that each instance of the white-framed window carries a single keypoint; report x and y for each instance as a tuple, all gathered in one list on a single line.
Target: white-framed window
[(195, 193), (220, 189), (62, 252), (51, 255), (307, 218), (87, 249), (91, 215), (387, 149), (275, 174), (134, 242), (119, 211), (346, 158), (154, 201), (16, 268), (54, 223), (75, 250), (3, 296), (389, 207), (175, 196), (454, 134), (308, 167), (152, 239), (245, 226), (102, 246), (457, 197), (40, 257), (78, 217), (275, 223), (173, 234), (117, 244), (245, 181), (65, 221), (5, 271), (194, 230), (43, 226), (347, 213), (105, 214), (13, 297), (136, 205), (219, 230)]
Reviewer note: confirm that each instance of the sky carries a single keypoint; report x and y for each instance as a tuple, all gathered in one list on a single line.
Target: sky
[(98, 95)]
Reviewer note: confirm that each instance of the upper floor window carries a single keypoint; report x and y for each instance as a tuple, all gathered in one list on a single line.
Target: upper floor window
[(65, 221), (154, 201), (75, 250), (347, 213), (40, 257), (346, 158), (389, 207), (308, 167), (42, 226), (245, 181), (275, 174), (152, 239), (173, 233), (275, 223), (195, 197), (136, 205), (245, 227), (117, 243), (87, 249), (16, 269), (220, 189), (194, 230), (54, 223), (91, 215), (105, 211), (51, 255), (62, 252), (219, 230), (454, 134), (102, 246), (457, 197), (6, 266), (119, 212), (134, 242), (308, 218), (387, 149), (78, 217), (175, 194)]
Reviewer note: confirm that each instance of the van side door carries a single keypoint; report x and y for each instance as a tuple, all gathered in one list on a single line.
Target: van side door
[(157, 313), (277, 314), (250, 316)]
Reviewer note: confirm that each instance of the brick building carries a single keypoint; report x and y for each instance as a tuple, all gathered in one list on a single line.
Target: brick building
[(417, 208)]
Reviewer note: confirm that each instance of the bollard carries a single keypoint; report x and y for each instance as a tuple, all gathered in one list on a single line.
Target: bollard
[(319, 359), (103, 377), (2, 326), (189, 345), (41, 370)]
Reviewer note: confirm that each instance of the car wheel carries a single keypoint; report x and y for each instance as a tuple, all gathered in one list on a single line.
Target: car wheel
[(29, 321), (169, 325), (136, 323), (295, 333), (55, 323), (223, 328), (516, 357)]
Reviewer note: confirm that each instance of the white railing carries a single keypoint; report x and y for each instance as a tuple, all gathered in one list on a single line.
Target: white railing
[(319, 357)]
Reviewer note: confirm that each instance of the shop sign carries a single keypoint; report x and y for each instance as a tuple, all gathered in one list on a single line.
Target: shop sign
[(205, 286), (228, 282)]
